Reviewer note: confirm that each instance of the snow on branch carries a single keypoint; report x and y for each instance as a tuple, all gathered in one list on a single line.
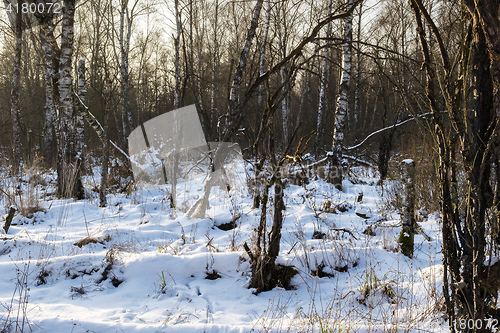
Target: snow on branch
[(387, 128)]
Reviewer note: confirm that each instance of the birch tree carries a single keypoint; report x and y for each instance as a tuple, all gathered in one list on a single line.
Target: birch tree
[(259, 147), (16, 86), (127, 16), (215, 67), (323, 86), (79, 118), (59, 81), (177, 69), (358, 68), (342, 107), (283, 69)]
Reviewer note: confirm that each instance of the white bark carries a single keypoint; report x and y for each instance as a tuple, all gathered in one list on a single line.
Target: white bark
[(358, 69), (125, 35), (262, 63), (50, 52), (80, 126), (213, 106), (342, 103), (323, 85), (196, 78), (177, 55), (48, 128), (408, 209), (282, 51), (69, 182), (233, 97)]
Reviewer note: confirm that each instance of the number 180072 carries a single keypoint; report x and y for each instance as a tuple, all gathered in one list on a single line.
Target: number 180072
[(478, 324)]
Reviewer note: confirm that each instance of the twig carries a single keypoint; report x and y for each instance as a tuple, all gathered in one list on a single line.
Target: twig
[(345, 230)]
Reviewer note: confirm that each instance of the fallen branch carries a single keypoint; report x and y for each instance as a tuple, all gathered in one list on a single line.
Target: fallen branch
[(96, 125), (357, 160), (345, 230), (418, 227)]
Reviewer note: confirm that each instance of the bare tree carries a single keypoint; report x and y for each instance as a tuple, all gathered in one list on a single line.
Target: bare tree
[(127, 16), (283, 69), (59, 77), (16, 86), (177, 78), (469, 286), (358, 67), (233, 113), (323, 86), (342, 107)]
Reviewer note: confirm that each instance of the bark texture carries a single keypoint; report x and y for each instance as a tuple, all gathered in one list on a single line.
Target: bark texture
[(408, 217), (342, 108), (322, 87), (16, 86)]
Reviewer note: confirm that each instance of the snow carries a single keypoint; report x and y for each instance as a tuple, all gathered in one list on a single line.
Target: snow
[(162, 259), (491, 261), (362, 211), (408, 161)]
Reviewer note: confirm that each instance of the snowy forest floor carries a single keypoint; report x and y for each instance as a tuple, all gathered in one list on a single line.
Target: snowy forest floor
[(135, 266)]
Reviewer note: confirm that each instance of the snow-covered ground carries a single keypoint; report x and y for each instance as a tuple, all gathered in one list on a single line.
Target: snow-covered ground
[(145, 268)]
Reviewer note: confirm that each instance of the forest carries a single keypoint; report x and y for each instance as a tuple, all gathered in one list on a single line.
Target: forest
[(250, 165)]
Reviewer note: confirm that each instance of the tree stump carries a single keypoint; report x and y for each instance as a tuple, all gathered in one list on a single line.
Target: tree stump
[(408, 217), (8, 218)]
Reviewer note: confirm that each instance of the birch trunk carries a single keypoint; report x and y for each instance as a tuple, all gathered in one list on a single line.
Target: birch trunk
[(238, 76), (173, 192), (408, 217), (105, 158), (177, 56), (322, 88), (49, 145), (358, 69), (262, 62), (124, 43), (50, 51), (69, 181), (335, 171), (80, 123), (16, 85), (213, 105), (282, 50), (259, 149)]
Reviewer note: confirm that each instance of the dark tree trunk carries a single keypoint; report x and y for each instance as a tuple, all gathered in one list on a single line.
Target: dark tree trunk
[(265, 272), (465, 284)]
